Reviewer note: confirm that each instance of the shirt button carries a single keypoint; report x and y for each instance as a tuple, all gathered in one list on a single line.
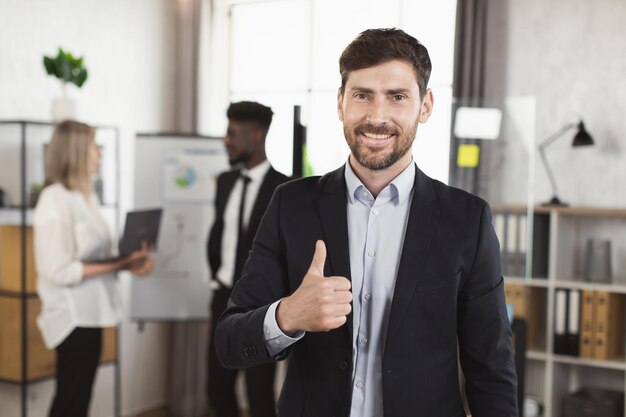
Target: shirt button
[(365, 194), (364, 340), (371, 254), (375, 211), (359, 384), (267, 331), (277, 342), (367, 297)]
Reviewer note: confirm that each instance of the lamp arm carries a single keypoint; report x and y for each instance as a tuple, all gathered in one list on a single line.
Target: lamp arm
[(556, 135), (542, 153), (548, 170)]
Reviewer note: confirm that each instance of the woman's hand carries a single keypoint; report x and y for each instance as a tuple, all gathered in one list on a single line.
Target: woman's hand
[(142, 268), (139, 262)]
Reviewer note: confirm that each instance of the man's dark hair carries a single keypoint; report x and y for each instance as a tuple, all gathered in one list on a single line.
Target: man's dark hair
[(250, 111), (378, 46)]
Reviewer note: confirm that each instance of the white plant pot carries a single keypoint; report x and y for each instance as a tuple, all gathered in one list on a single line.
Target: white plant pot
[(63, 108)]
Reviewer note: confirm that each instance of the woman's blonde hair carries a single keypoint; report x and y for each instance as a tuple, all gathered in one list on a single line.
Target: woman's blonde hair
[(67, 156)]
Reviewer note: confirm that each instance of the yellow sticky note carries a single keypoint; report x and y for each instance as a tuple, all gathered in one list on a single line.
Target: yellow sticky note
[(467, 156)]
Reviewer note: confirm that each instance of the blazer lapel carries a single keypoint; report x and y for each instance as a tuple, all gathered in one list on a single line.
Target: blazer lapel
[(423, 218), (262, 201), (334, 220), (229, 183)]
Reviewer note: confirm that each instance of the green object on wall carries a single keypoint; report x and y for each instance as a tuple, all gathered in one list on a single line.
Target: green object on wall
[(66, 67), (307, 169)]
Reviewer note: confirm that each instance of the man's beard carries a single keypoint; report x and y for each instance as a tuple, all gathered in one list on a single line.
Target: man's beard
[(240, 158), (375, 161)]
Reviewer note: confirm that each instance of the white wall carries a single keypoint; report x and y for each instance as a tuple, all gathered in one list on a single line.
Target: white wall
[(126, 45), (570, 55)]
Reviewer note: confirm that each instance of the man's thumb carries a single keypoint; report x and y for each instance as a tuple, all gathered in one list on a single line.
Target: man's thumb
[(319, 258)]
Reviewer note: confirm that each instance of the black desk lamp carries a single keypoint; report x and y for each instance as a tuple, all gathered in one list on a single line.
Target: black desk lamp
[(582, 138)]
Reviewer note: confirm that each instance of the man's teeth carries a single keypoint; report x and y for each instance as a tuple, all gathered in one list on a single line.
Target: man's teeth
[(375, 136)]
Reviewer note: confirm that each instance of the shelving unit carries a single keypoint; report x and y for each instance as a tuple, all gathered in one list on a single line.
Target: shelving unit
[(24, 358), (551, 376)]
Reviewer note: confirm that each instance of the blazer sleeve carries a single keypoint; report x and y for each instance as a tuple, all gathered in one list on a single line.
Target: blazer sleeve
[(484, 332), (239, 338)]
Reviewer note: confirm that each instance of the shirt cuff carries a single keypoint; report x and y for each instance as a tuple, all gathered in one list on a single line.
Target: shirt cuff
[(275, 340)]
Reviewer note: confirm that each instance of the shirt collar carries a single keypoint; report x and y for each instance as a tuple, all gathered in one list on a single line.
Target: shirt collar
[(401, 186), (258, 172)]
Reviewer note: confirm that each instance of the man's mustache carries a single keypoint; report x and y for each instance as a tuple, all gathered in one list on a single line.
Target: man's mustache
[(381, 129)]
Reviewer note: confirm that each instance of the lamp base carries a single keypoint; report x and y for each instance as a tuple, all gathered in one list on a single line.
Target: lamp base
[(554, 201)]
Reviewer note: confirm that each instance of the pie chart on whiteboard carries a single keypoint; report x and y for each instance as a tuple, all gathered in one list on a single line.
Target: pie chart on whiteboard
[(185, 176)]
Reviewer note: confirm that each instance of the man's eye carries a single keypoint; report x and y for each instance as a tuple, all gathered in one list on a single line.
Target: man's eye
[(360, 96), (399, 97)]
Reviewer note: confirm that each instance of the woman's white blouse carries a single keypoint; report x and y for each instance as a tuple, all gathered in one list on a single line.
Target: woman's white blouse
[(70, 230)]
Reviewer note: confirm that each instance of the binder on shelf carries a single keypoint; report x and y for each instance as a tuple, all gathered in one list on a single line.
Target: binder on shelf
[(520, 256), (527, 305), (541, 245), (511, 227), (499, 225), (609, 325), (573, 323), (587, 318), (560, 321), (514, 294), (510, 258)]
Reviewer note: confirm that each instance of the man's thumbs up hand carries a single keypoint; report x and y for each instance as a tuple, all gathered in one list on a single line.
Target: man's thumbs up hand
[(320, 303), (319, 259)]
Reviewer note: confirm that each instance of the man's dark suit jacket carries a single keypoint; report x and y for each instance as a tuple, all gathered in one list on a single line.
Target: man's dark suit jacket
[(225, 183), (448, 293)]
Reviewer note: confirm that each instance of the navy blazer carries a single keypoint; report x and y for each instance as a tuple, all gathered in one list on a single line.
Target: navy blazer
[(448, 304)]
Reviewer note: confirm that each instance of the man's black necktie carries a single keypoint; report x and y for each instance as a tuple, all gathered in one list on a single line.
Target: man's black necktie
[(242, 250)]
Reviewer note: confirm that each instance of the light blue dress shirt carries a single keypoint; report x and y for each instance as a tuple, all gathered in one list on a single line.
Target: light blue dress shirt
[(376, 229)]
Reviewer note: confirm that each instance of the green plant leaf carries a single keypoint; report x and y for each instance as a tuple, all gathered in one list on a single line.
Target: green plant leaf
[(66, 67), (48, 64), (66, 70), (80, 79)]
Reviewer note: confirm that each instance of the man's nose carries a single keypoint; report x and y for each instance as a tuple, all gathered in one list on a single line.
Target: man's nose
[(378, 112)]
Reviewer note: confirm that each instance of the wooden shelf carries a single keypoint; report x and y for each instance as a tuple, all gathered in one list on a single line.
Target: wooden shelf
[(11, 258), (13, 216), (591, 211), (536, 355), (550, 375), (532, 282), (582, 285), (568, 211), (41, 361), (617, 364)]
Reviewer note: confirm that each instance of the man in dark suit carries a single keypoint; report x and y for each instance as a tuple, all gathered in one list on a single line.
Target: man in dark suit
[(376, 281), (241, 199)]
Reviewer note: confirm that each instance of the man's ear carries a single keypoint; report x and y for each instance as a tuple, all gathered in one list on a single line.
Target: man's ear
[(427, 106), (257, 133), (340, 104)]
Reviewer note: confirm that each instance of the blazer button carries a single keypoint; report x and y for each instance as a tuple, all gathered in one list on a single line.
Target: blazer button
[(343, 365)]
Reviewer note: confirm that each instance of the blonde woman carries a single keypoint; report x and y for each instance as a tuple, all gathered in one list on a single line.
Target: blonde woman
[(79, 295)]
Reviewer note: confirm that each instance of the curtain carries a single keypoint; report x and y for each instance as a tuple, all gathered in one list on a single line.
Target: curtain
[(187, 367), (186, 58), (468, 86)]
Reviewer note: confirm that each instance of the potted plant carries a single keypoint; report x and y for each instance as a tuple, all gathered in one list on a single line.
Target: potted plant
[(69, 70)]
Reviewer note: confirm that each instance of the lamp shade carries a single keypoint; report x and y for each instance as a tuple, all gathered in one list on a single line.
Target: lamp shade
[(582, 137)]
